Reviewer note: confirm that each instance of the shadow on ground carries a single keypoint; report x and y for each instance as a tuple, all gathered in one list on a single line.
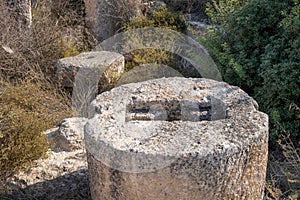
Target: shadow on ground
[(70, 186)]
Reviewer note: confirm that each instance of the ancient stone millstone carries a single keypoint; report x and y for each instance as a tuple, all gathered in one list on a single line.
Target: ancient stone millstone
[(176, 138)]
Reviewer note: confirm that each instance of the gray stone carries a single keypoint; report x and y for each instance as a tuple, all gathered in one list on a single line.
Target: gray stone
[(106, 17), (66, 155), (73, 130), (21, 10), (68, 136), (176, 138), (107, 66), (57, 141)]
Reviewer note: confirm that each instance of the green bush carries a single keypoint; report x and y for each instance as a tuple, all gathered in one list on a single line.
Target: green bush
[(160, 17), (220, 10), (257, 48), (26, 110)]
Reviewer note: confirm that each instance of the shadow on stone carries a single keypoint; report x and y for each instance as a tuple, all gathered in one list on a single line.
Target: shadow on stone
[(69, 186)]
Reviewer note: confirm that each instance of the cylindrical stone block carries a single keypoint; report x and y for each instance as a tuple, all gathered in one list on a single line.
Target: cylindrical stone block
[(176, 138)]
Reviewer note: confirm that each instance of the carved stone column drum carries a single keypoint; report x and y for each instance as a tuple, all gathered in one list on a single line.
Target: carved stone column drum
[(176, 138)]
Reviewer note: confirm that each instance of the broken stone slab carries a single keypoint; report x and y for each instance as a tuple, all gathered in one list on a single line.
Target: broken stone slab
[(176, 138), (109, 65), (73, 130), (66, 155)]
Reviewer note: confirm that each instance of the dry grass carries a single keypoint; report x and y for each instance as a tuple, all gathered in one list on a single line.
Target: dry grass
[(30, 100), (31, 52), (26, 110), (283, 181)]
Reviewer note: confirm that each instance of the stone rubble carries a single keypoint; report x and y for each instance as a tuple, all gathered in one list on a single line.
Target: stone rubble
[(66, 158)]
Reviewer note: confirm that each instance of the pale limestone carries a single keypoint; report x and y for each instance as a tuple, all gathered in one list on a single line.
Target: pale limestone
[(176, 138)]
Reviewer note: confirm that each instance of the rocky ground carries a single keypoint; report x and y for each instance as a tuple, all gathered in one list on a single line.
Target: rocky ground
[(63, 175)]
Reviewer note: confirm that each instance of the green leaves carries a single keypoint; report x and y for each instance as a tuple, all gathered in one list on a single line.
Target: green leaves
[(160, 17), (259, 50), (220, 10)]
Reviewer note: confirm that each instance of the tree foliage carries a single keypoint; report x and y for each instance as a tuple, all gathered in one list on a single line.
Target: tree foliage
[(220, 10), (258, 49), (160, 17)]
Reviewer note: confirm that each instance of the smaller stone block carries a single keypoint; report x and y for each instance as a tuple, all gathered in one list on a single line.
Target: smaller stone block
[(108, 65)]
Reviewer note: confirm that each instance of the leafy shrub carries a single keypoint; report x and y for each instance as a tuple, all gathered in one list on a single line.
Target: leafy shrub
[(189, 6), (26, 110), (160, 17), (220, 10), (257, 48)]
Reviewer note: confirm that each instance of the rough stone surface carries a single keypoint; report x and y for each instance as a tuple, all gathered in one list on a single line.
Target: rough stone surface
[(106, 17), (21, 10), (63, 174), (67, 68), (68, 136), (67, 153), (176, 138)]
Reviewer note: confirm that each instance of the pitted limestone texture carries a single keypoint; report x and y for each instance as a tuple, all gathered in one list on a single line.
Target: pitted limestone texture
[(69, 136), (107, 66), (174, 110), (176, 138)]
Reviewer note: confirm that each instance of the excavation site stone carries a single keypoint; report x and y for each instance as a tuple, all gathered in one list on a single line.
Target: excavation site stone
[(176, 138), (107, 66), (88, 74)]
